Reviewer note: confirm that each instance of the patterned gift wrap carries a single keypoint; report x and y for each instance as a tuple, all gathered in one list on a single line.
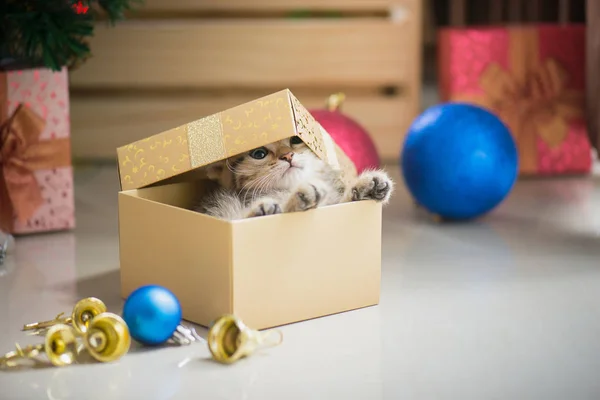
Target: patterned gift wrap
[(533, 78), (36, 179)]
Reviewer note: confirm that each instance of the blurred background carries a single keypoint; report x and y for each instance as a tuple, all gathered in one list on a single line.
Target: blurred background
[(101, 74), (172, 62), (175, 61)]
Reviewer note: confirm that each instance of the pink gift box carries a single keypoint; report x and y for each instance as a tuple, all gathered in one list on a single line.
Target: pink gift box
[(36, 175), (533, 78)]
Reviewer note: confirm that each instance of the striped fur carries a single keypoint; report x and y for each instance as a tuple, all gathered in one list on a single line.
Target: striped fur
[(289, 178)]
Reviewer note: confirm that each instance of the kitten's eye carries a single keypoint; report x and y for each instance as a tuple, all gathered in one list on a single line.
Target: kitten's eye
[(295, 140), (259, 153)]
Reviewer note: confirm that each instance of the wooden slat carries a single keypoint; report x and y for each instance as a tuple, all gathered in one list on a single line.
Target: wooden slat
[(413, 89), (592, 68), (496, 12), (514, 10), (273, 5), (113, 122), (458, 12), (533, 10), (251, 53), (563, 11), (429, 30)]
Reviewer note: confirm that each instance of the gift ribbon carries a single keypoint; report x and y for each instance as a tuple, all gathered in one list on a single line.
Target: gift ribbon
[(531, 97), (21, 154)]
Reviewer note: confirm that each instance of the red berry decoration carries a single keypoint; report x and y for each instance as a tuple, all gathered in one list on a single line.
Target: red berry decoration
[(352, 138)]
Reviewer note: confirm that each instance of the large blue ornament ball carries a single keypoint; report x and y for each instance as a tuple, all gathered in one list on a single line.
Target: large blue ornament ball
[(152, 314), (459, 161)]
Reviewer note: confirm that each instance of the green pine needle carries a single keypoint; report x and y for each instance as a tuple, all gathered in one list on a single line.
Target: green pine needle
[(51, 33)]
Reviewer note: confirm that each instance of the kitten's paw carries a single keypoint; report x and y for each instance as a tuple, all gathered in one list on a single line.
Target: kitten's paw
[(306, 197), (264, 207), (373, 185)]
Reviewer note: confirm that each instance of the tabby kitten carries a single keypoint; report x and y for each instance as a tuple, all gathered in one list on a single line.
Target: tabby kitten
[(285, 176)]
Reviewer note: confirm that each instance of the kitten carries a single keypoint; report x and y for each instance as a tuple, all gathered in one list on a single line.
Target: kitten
[(285, 176)]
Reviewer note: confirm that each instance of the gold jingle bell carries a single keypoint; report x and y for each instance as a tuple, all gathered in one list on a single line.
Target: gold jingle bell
[(229, 339), (60, 346), (84, 311), (107, 338)]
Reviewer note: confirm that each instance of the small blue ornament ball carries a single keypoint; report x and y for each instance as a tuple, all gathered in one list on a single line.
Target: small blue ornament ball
[(152, 314), (459, 161)]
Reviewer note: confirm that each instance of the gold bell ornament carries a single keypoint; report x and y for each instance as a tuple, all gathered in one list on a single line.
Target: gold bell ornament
[(84, 311), (229, 339), (60, 347), (107, 338), (102, 335)]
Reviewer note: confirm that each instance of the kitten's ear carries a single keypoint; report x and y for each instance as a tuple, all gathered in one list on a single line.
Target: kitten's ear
[(214, 171)]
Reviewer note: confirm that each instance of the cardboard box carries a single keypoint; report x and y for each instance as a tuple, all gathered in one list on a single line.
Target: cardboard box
[(269, 270)]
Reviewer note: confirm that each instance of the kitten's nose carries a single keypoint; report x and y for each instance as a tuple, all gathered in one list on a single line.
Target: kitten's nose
[(287, 157)]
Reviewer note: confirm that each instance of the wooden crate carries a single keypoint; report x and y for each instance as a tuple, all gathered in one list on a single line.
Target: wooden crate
[(174, 62)]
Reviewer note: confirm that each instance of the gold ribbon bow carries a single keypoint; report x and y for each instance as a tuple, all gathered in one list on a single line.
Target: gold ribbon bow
[(22, 153), (531, 97)]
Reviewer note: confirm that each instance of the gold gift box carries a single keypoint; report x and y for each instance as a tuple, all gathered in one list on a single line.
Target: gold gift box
[(270, 270)]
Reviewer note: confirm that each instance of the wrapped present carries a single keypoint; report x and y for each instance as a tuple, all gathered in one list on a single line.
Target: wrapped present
[(533, 78), (36, 177)]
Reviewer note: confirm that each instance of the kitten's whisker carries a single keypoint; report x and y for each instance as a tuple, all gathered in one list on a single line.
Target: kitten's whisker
[(259, 191), (244, 173), (245, 190), (241, 171), (263, 184), (231, 168), (247, 187), (269, 179), (259, 184), (258, 187), (238, 170)]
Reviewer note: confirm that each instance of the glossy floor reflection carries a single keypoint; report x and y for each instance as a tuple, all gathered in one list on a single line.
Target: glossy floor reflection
[(504, 308)]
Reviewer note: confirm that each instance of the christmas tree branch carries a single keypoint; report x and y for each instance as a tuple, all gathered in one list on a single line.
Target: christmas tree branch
[(52, 33), (116, 9)]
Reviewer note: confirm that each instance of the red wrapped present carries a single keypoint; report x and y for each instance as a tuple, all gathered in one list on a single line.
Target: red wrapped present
[(36, 177), (533, 78)]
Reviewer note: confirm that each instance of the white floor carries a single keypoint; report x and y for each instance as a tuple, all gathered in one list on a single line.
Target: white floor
[(504, 308)]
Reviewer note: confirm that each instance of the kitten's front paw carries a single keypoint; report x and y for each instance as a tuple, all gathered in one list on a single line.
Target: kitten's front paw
[(264, 207), (306, 197), (373, 185)]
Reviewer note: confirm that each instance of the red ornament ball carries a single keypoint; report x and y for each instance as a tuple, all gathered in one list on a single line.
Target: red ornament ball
[(352, 138)]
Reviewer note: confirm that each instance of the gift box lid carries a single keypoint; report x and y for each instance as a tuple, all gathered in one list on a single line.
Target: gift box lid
[(226, 134)]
